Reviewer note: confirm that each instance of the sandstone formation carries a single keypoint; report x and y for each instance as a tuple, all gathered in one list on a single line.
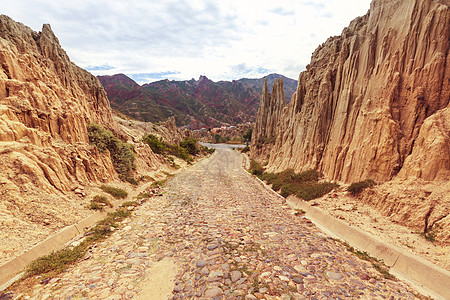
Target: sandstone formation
[(421, 206), (47, 164), (269, 114), (374, 103), (369, 100)]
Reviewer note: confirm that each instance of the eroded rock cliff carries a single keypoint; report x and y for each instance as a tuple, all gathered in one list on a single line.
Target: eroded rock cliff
[(269, 114), (367, 95), (374, 103), (47, 164)]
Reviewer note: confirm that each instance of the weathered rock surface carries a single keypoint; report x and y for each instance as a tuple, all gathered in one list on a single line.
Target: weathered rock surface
[(46, 103), (422, 206), (430, 157), (269, 114), (372, 101)]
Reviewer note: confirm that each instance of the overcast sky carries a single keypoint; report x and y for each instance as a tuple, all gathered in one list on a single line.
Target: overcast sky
[(151, 40)]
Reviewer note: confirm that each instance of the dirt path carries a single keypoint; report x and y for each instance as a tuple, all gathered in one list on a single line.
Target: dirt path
[(229, 238)]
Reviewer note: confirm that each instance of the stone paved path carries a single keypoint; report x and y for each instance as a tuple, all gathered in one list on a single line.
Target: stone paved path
[(230, 238)]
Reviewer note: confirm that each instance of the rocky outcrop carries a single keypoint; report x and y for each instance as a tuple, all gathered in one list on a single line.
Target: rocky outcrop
[(170, 132), (269, 114), (46, 102), (47, 163), (372, 101), (423, 206), (433, 139)]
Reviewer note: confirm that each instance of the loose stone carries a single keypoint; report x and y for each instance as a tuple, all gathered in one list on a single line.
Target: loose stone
[(213, 292), (235, 276), (201, 263)]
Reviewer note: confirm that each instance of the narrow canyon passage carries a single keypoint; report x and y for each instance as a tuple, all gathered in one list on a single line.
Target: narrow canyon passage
[(222, 236)]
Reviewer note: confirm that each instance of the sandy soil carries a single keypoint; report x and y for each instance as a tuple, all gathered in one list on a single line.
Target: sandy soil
[(160, 281), (365, 217)]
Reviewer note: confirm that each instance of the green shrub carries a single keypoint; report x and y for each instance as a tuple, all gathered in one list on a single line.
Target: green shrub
[(207, 150), (156, 143), (314, 190), (289, 189), (277, 184), (248, 135), (269, 177), (115, 192), (307, 176), (98, 202), (357, 187), (190, 145), (123, 161), (122, 154), (256, 168), (184, 150), (180, 152), (286, 176), (304, 185)]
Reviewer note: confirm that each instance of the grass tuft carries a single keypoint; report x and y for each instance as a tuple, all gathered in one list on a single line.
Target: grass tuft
[(99, 202), (304, 185), (115, 192), (58, 261), (357, 187), (376, 263)]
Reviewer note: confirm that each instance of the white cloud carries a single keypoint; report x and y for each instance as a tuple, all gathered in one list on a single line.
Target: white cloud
[(184, 39)]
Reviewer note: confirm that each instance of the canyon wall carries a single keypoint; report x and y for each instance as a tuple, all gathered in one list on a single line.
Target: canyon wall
[(373, 102), (48, 168), (46, 102)]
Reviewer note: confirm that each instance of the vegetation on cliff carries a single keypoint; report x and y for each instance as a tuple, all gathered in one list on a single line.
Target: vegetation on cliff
[(122, 154)]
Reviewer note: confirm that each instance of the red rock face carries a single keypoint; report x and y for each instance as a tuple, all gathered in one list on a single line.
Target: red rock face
[(194, 103), (361, 104)]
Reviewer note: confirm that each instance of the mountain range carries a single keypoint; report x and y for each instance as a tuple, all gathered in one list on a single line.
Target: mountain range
[(193, 103)]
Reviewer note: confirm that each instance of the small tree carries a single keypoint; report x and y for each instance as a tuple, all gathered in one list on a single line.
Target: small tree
[(156, 143), (248, 134)]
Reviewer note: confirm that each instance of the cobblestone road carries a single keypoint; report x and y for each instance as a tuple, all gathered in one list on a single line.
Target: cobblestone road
[(230, 239)]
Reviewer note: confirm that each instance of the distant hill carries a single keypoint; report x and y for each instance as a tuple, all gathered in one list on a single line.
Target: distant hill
[(193, 103)]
